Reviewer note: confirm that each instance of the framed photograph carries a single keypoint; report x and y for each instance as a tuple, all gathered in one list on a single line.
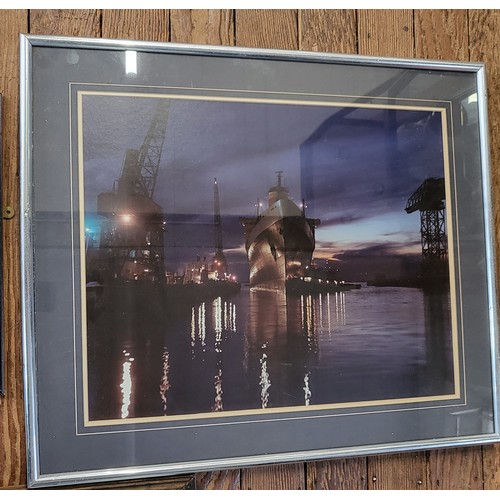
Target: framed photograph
[(235, 257)]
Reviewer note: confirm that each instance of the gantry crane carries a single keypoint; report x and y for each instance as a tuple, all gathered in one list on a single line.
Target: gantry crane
[(131, 241), (429, 199), (219, 261)]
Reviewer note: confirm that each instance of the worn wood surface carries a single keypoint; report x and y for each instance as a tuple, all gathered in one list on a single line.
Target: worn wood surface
[(342, 474), (219, 480), (67, 22), (466, 464), (211, 27), (274, 477), (401, 471), (437, 34), (386, 33), (151, 24), (271, 29), (328, 31), (12, 437), (185, 482), (442, 34)]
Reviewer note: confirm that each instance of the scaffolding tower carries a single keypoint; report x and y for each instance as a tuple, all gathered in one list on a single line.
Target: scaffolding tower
[(429, 199)]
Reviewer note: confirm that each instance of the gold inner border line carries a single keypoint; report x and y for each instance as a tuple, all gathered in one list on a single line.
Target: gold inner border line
[(256, 100), (456, 242), (73, 274), (245, 91), (256, 411), (279, 419)]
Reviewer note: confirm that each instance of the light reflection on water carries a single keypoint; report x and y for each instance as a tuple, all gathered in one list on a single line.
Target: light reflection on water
[(265, 350), (126, 386), (218, 392), (165, 382), (307, 390), (264, 382)]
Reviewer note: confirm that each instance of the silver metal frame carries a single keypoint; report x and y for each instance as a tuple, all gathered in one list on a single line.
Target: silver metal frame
[(35, 478)]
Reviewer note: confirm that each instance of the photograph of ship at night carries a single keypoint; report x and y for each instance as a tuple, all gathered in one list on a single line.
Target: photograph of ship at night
[(249, 255)]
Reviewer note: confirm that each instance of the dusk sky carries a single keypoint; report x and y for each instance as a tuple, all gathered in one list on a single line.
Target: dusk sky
[(356, 171)]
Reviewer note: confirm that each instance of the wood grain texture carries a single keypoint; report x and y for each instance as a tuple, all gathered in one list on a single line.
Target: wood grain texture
[(491, 467), (442, 34), (185, 482), (12, 436), (403, 471), (484, 44), (274, 477), (456, 469), (136, 24), (386, 33), (219, 480), (328, 30), (343, 474), (65, 22), (270, 29), (210, 26)]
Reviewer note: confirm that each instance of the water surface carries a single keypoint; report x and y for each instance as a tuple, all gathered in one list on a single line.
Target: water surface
[(260, 349)]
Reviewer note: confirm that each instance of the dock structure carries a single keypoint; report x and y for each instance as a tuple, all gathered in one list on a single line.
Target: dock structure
[(132, 235), (219, 260), (429, 200)]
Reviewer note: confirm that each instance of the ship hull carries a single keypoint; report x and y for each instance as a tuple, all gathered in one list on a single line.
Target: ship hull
[(279, 245)]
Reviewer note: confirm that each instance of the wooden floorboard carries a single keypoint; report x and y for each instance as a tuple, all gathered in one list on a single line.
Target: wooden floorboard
[(12, 435)]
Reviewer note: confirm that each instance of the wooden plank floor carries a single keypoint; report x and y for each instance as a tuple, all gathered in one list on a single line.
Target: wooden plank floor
[(437, 34)]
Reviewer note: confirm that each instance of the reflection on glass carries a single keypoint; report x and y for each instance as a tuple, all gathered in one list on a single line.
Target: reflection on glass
[(165, 382), (131, 62), (126, 384)]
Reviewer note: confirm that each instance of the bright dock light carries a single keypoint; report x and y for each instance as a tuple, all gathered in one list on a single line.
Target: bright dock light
[(131, 62)]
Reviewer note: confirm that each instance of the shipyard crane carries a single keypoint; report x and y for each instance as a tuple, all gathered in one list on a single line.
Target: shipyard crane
[(219, 261), (429, 199), (131, 242)]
